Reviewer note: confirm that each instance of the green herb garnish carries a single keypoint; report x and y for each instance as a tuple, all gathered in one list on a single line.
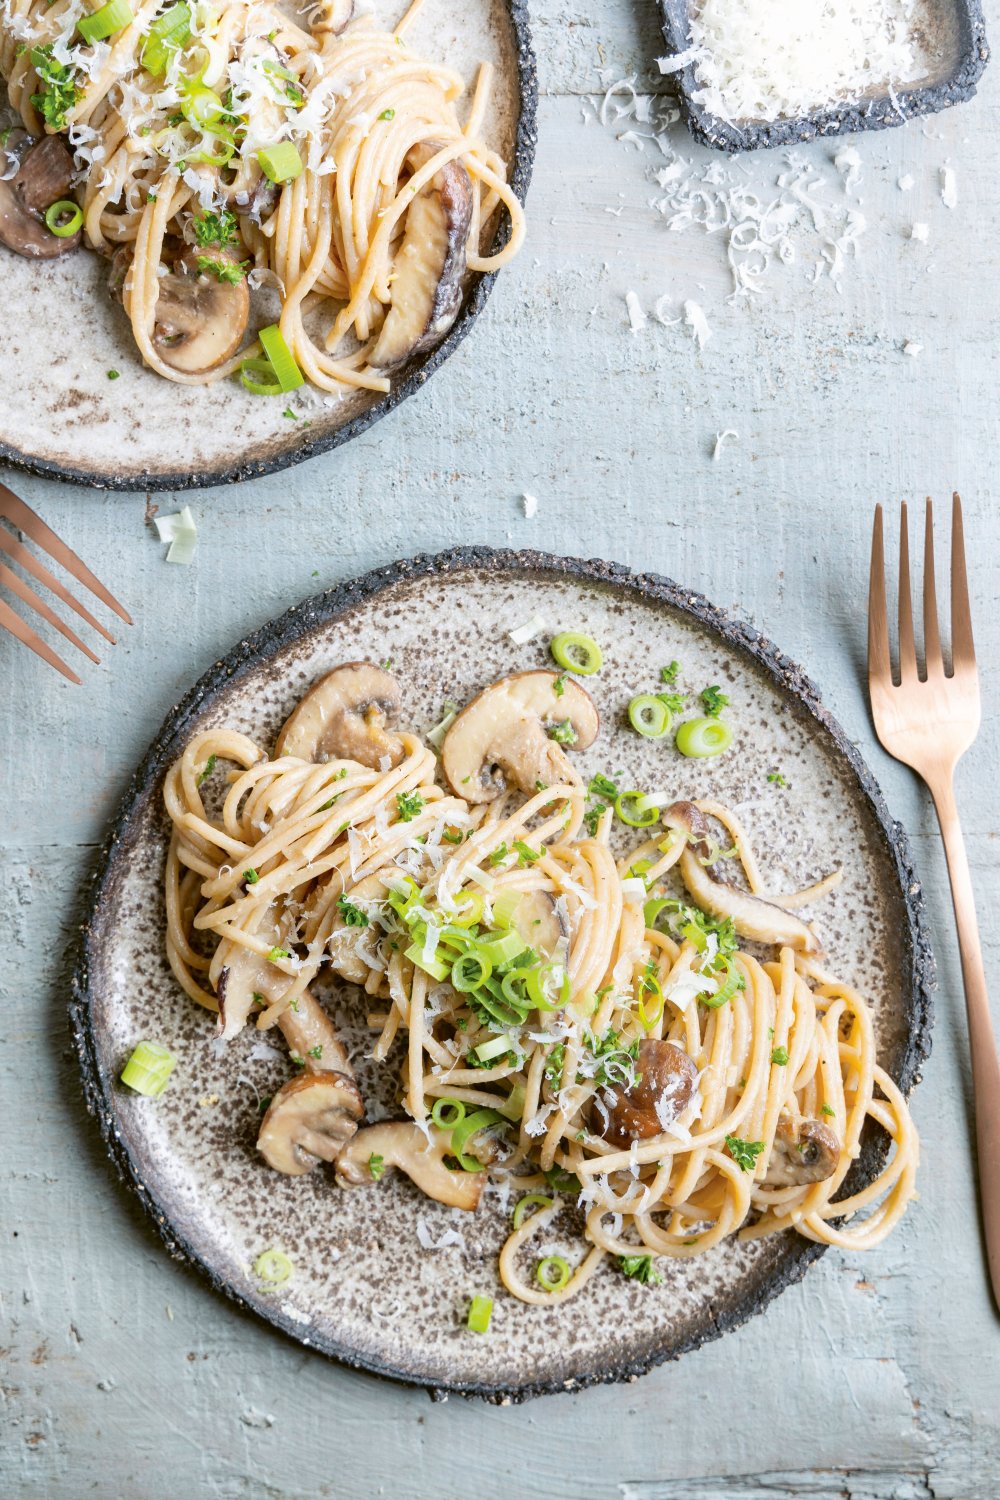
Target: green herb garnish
[(640, 1268), (744, 1153)]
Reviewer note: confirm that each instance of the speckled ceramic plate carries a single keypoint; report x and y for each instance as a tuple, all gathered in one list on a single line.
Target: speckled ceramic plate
[(364, 1290), (61, 332)]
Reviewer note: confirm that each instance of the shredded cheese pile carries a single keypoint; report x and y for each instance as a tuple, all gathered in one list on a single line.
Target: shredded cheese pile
[(766, 60)]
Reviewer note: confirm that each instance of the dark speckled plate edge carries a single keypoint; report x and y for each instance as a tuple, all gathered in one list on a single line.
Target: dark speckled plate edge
[(525, 142), (313, 613), (880, 113)]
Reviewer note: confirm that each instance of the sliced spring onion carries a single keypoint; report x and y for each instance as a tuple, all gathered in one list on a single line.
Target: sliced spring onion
[(167, 34), (273, 1266), (181, 532), (649, 716), (149, 1068), (280, 162), (480, 1312), (576, 653), (552, 1273), (732, 984), (253, 367), (503, 950), (286, 371), (513, 1108), (628, 808), (201, 106), (530, 1200), (505, 907), (497, 1046), (470, 1126), (469, 972), (522, 634), (436, 735), (114, 16), (432, 966), (650, 986), (542, 981), (447, 1113), (63, 218), (698, 738), (468, 909)]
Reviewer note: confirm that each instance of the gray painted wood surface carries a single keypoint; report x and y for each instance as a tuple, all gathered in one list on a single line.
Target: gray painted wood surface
[(122, 1374)]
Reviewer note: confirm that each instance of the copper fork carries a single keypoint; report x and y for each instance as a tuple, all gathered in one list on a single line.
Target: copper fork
[(929, 722), (21, 516)]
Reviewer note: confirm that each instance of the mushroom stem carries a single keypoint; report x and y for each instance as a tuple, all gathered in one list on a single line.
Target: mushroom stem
[(403, 1144)]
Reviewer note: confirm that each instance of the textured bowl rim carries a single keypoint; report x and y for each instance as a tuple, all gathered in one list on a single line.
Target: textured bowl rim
[(881, 113), (525, 142), (284, 631)]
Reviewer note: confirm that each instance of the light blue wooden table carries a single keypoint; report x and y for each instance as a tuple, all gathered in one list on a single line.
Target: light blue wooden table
[(122, 1374)]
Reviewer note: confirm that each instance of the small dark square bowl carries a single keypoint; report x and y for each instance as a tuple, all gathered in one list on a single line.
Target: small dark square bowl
[(956, 45)]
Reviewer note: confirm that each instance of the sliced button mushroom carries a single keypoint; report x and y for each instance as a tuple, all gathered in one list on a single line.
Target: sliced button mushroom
[(807, 1151), (500, 739), (42, 175), (402, 1144), (347, 715), (752, 917), (665, 1080), (344, 940), (430, 265), (311, 1036), (199, 321), (309, 1120)]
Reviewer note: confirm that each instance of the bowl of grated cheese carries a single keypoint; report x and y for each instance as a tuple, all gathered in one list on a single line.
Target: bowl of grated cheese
[(757, 73)]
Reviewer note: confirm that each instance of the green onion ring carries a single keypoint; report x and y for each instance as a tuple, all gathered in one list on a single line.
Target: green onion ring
[(469, 972), (627, 809), (456, 1113), (649, 716), (529, 1201), (55, 222), (273, 1266), (732, 985), (576, 653), (698, 738), (257, 387), (552, 1273), (470, 1126), (480, 1312)]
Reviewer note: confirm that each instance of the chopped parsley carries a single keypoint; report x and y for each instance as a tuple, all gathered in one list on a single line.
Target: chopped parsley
[(559, 686), (376, 1165), (673, 702), (525, 854), (827, 1109), (640, 1268), (316, 1052), (714, 700), (617, 1060), (353, 915), (408, 805), (251, 877), (669, 674), (264, 1102), (603, 792), (563, 734), (216, 229), (683, 921), (744, 1153), (780, 1056), (388, 114), (114, 374), (554, 1063), (230, 271), (207, 769), (499, 854), (297, 1059), (777, 779), (58, 92), (275, 954), (452, 835)]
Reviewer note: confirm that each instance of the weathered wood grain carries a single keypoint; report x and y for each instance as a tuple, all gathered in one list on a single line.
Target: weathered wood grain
[(121, 1374)]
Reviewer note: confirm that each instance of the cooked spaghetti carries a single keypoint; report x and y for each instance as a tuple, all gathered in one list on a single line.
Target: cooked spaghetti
[(222, 148), (585, 1028)]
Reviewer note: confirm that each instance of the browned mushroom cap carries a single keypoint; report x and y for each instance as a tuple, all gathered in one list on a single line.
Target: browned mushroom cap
[(665, 1083), (200, 320), (501, 738), (44, 174), (402, 1144), (752, 917), (345, 716), (804, 1152), (308, 1121), (430, 266)]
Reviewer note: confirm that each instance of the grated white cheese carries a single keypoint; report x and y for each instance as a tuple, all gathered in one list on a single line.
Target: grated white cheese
[(766, 60), (905, 182), (919, 231), (637, 319), (695, 318), (949, 187), (720, 439), (912, 349), (848, 163), (530, 504), (449, 1237)]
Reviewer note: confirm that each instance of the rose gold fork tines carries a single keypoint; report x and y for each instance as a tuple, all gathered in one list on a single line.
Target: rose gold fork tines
[(24, 519), (928, 721)]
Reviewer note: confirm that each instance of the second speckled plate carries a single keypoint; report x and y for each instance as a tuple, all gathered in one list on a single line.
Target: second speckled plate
[(364, 1290)]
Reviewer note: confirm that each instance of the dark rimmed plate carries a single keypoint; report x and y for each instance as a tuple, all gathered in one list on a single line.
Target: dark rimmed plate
[(65, 419), (365, 1290), (955, 51)]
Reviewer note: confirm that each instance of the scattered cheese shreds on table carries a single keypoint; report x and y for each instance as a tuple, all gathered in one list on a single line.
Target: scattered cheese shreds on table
[(182, 534), (530, 503), (919, 231), (720, 440), (949, 187), (912, 349), (637, 319), (694, 317)]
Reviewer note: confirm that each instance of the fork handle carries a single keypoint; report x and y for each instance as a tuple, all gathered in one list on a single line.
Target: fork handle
[(982, 1043)]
